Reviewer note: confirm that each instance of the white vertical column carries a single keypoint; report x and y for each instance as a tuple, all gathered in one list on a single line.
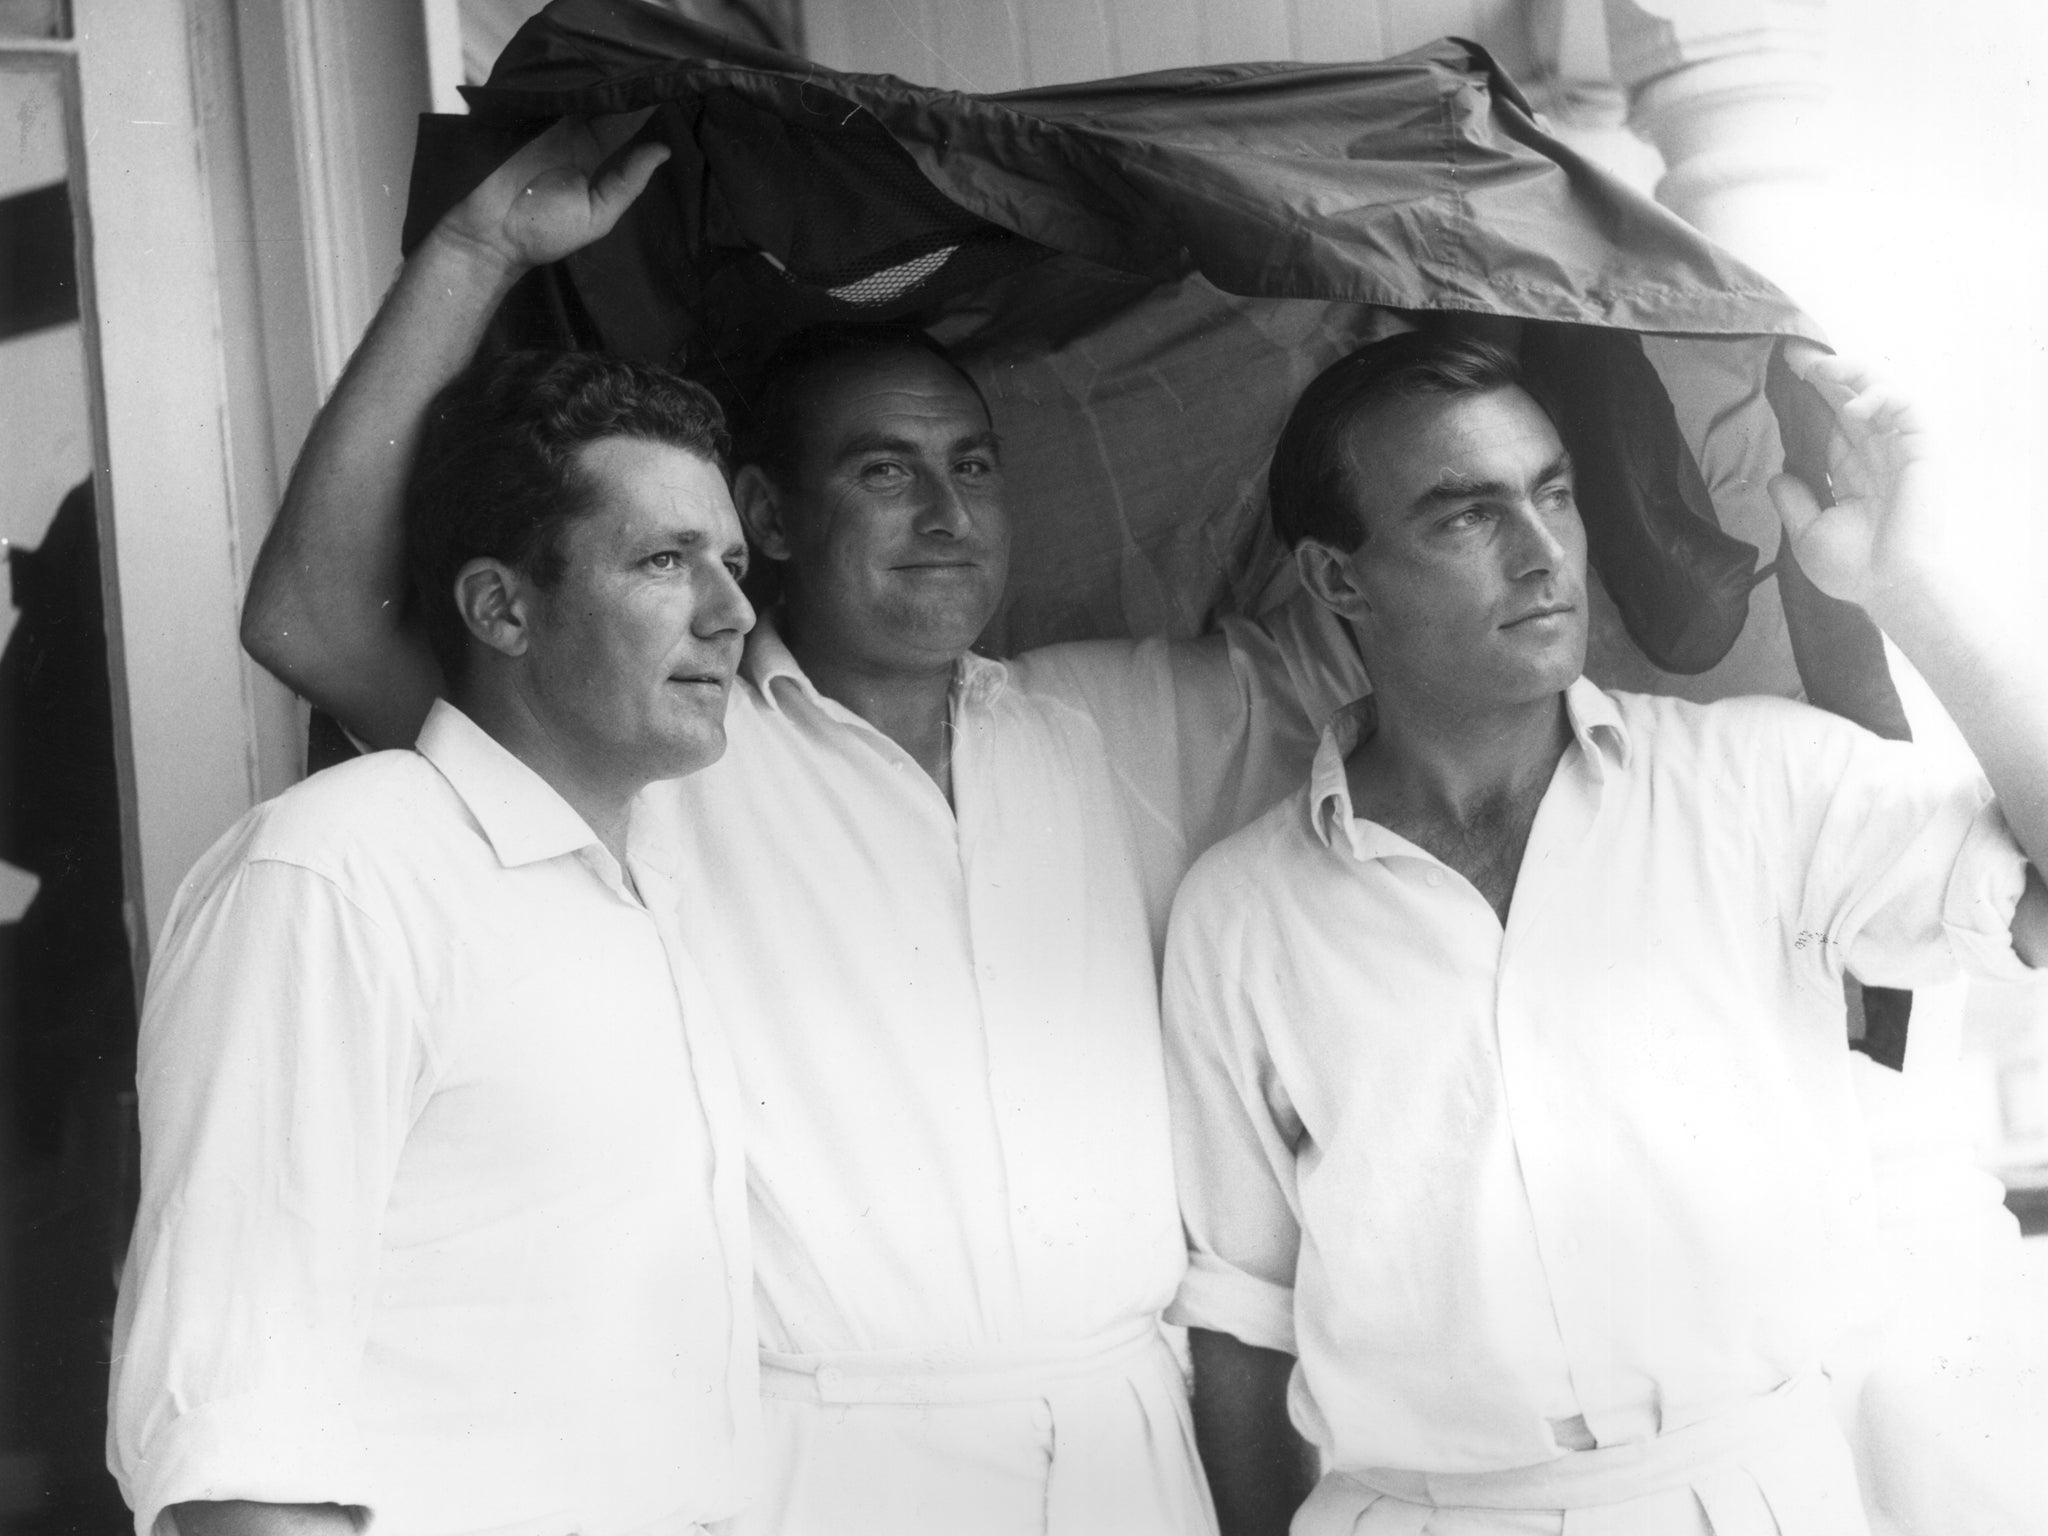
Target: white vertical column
[(153, 313), (1733, 95)]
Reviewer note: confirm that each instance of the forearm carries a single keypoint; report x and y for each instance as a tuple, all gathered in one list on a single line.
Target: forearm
[(1895, 543), (240, 1517), (1986, 675), (1259, 1468), (326, 600)]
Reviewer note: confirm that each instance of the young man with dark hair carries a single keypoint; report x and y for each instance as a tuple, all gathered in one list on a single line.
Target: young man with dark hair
[(1513, 1122), (443, 1211)]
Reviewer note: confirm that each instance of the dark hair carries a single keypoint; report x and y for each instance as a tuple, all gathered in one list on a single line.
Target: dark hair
[(772, 424), (495, 475), (1309, 484)]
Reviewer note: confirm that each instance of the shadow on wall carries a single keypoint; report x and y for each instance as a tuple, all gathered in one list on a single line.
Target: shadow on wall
[(67, 1041)]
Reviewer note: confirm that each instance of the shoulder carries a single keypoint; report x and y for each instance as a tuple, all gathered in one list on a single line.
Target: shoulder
[(1223, 887), (1752, 730), (1047, 700), (387, 811)]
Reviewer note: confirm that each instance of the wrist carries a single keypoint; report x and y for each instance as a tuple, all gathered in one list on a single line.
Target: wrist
[(1922, 594), (475, 262)]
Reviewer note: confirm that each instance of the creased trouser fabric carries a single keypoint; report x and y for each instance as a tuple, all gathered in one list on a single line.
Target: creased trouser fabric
[(1088, 1439), (1777, 1466)]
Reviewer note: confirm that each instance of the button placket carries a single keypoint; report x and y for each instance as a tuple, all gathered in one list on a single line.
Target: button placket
[(1539, 1117)]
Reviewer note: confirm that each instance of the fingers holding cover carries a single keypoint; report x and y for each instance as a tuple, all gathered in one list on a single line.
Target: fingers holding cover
[(555, 194), (1881, 525), (621, 180), (1865, 403)]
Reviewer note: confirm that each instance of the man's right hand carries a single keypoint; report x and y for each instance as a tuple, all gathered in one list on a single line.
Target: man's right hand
[(554, 196)]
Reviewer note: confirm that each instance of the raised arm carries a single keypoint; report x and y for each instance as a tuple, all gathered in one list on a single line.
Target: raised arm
[(326, 603), (1885, 546)]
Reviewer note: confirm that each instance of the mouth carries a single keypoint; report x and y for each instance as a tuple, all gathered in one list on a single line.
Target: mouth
[(716, 682), (939, 565), (1539, 615)]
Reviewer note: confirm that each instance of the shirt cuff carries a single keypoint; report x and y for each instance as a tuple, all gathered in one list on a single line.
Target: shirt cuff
[(1984, 889), (1225, 1300), (257, 1447)]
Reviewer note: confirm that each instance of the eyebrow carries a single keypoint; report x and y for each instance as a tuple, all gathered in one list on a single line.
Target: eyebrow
[(694, 538), (1456, 488), (884, 442)]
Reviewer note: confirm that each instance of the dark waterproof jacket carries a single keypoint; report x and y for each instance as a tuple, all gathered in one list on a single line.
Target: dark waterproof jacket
[(1143, 273)]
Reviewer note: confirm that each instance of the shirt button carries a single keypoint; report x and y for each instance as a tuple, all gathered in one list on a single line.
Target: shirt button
[(1436, 877), (829, 1377), (1041, 1417)]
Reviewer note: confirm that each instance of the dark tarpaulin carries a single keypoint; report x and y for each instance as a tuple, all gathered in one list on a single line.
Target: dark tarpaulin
[(1143, 273)]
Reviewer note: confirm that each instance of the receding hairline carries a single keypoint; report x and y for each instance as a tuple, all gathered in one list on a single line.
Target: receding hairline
[(800, 389)]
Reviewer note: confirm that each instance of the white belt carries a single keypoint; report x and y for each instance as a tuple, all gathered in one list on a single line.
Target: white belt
[(1113, 1410), (994, 1375), (1776, 1464)]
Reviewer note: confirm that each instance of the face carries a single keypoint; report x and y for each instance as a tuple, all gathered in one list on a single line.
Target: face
[(1470, 588), (631, 655), (892, 526)]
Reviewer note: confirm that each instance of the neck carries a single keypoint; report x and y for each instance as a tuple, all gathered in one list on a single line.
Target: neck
[(601, 798), (911, 705), (1457, 765)]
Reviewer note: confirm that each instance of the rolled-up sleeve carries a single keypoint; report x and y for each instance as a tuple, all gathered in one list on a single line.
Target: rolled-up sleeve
[(1913, 875), (1234, 1135), (279, 1066), (1984, 888)]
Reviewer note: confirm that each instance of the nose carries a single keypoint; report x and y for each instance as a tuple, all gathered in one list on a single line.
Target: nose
[(725, 609), (1538, 547), (943, 509)]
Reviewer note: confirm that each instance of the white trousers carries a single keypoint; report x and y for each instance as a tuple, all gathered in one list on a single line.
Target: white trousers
[(1088, 1439), (1777, 1466)]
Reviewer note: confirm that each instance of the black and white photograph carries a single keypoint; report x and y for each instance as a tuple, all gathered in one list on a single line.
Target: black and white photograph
[(1023, 768)]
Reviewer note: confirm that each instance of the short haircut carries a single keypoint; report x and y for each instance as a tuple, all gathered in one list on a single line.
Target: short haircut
[(1310, 483), (771, 430), (495, 474)]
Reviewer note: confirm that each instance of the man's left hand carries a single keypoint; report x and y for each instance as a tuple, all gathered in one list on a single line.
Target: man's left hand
[(1882, 531)]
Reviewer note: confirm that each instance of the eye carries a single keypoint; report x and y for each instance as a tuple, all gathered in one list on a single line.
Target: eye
[(1467, 518), (666, 560), (884, 472), (736, 568), (1558, 495), (974, 468)]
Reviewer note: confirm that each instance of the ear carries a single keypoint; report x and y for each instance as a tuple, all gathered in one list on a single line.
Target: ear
[(759, 501), (493, 600), (1331, 576)]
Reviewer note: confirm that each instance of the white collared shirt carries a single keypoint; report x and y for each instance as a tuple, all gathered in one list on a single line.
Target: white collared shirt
[(945, 1019), (443, 1205), (1604, 1165)]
